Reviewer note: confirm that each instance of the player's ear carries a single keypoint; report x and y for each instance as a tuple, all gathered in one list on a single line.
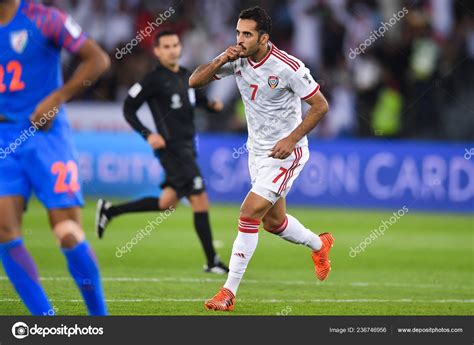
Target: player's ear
[(264, 38)]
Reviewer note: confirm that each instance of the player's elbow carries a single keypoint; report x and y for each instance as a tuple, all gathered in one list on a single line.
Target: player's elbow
[(196, 82), (96, 59), (103, 62), (100, 58), (193, 82), (321, 104), (320, 108), (127, 111), (325, 107)]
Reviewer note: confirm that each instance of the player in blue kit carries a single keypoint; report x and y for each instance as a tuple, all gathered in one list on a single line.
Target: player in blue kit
[(36, 151)]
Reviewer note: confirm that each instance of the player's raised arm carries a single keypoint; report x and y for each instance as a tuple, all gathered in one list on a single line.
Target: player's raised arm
[(204, 74), (94, 62)]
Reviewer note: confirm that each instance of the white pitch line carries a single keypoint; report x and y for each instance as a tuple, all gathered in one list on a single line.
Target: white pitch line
[(253, 281), (266, 301)]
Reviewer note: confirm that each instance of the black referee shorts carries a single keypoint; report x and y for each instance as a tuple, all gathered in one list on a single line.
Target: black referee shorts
[(181, 169)]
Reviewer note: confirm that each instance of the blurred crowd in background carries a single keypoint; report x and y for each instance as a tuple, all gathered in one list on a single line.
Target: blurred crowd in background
[(389, 68)]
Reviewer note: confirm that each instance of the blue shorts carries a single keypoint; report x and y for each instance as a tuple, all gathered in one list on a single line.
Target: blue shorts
[(42, 162)]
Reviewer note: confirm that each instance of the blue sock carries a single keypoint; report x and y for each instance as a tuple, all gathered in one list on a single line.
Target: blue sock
[(83, 267), (23, 274)]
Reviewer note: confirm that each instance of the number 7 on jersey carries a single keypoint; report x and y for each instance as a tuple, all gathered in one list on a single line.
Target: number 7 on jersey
[(254, 92)]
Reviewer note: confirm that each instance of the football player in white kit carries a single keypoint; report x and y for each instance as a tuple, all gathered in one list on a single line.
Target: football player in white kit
[(272, 84)]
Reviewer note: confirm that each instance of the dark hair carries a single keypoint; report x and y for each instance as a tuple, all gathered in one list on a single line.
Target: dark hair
[(259, 15), (156, 40)]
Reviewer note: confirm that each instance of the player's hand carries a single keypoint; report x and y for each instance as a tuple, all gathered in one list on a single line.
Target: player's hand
[(46, 111), (283, 148), (232, 53), (215, 105), (156, 141)]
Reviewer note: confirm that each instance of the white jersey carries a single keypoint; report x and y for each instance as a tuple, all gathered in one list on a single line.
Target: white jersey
[(271, 90)]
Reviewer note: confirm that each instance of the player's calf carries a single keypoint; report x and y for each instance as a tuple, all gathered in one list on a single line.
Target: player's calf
[(275, 224), (23, 274), (17, 262), (80, 257), (105, 211), (200, 206), (293, 231)]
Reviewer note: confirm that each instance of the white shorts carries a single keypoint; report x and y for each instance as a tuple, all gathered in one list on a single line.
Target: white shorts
[(272, 178)]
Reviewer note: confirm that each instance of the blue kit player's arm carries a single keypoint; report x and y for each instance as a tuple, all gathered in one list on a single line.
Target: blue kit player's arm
[(63, 32)]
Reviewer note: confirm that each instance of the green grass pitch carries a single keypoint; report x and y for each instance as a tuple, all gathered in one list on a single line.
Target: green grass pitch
[(422, 265)]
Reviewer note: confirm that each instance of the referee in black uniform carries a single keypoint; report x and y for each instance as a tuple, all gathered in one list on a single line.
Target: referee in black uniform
[(167, 93)]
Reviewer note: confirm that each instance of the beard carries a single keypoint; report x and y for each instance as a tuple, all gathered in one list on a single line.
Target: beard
[(246, 52)]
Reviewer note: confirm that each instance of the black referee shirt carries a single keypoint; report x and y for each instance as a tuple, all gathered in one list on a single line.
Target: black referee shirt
[(170, 100)]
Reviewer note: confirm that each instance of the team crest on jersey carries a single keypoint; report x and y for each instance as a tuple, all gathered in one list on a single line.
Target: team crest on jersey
[(273, 81), (19, 40)]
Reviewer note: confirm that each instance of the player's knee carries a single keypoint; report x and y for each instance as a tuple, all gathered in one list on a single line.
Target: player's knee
[(167, 205), (199, 203), (8, 232), (249, 212), (200, 208), (254, 206), (69, 233), (7, 236)]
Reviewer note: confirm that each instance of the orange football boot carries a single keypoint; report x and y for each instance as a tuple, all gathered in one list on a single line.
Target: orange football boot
[(321, 261), (224, 300)]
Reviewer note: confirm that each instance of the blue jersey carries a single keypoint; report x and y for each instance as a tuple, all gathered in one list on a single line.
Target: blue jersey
[(30, 50), (43, 162)]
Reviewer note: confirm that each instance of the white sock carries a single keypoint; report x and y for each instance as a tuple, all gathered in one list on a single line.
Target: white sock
[(295, 232), (242, 251)]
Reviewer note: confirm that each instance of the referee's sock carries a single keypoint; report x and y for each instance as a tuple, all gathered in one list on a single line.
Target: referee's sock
[(83, 267), (142, 205), (203, 229), (23, 274)]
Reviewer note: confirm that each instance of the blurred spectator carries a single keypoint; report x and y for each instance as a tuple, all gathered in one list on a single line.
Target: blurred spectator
[(120, 25)]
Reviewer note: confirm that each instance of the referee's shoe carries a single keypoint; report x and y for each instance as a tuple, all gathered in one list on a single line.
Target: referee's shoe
[(216, 267)]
